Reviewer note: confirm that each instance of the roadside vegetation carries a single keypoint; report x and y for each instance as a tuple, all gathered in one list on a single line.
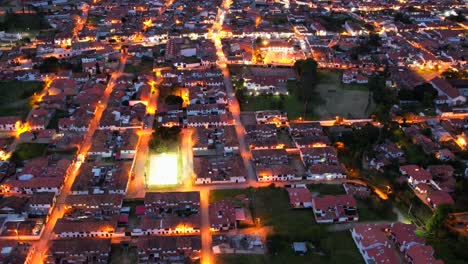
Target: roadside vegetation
[(165, 139), (16, 97), (144, 66), (27, 151)]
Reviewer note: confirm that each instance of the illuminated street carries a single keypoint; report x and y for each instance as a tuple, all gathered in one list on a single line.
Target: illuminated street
[(234, 106), (58, 210), (233, 131)]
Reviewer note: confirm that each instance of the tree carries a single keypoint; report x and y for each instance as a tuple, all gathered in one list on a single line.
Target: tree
[(383, 96), (455, 74), (239, 84), (169, 133), (458, 18), (98, 70), (402, 18), (49, 64), (258, 41), (374, 40), (308, 77), (163, 137), (240, 95), (425, 93), (173, 100), (438, 217)]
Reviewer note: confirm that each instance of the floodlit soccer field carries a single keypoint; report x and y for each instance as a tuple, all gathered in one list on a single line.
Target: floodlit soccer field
[(163, 169)]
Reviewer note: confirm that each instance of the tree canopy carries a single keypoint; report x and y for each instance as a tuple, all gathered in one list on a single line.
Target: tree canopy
[(308, 77)]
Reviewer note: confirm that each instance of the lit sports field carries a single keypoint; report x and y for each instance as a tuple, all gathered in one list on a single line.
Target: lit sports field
[(163, 169)]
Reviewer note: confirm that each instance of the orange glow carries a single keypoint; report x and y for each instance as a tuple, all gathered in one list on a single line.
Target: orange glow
[(20, 128), (280, 146), (185, 97), (150, 110), (340, 145), (140, 9), (319, 145), (158, 73), (153, 86), (169, 3), (138, 37), (184, 229), (108, 229), (4, 155), (381, 194), (147, 24), (258, 20), (37, 98), (461, 142)]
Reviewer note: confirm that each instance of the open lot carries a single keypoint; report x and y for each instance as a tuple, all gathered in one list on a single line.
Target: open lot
[(340, 248), (26, 151), (31, 23), (333, 99), (145, 65), (271, 206), (326, 189), (291, 104), (123, 255), (375, 209), (16, 97), (341, 99)]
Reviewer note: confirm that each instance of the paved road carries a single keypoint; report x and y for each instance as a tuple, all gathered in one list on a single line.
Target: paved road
[(58, 211), (137, 184), (234, 106), (207, 253)]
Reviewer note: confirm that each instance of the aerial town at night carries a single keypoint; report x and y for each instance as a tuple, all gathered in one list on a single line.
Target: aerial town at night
[(233, 131)]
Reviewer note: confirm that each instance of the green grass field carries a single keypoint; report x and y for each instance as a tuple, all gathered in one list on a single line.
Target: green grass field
[(23, 22), (333, 98), (374, 209), (15, 97), (26, 151), (338, 246), (143, 66), (342, 99), (123, 255), (326, 189), (289, 103), (271, 206)]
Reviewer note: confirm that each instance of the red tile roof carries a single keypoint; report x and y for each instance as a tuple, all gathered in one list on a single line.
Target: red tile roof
[(383, 255), (405, 233), (445, 87), (416, 172), (420, 254), (299, 195), (440, 197)]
